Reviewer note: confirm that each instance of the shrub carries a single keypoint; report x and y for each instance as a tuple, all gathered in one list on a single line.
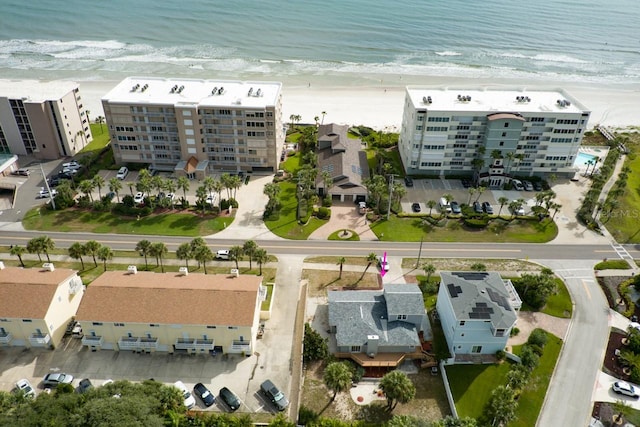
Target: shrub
[(307, 416), (314, 346), (476, 222), (323, 213), (529, 357), (478, 266), (538, 337), (184, 203), (84, 202), (501, 355), (127, 201), (514, 331), (234, 203), (327, 202), (224, 204)]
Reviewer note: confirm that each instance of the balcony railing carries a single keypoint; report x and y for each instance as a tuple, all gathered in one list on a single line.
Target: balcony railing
[(92, 340), (5, 338), (194, 344), (39, 340), (240, 346), (138, 343)]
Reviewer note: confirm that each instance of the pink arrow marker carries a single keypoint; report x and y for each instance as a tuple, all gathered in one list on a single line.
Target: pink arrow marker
[(383, 266)]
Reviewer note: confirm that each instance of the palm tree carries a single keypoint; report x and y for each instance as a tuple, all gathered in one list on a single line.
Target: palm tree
[(158, 250), (80, 133), (235, 254), (76, 251), (317, 120), (195, 244), (203, 254), (91, 248), (472, 192), (503, 201), (184, 252), (100, 121), (216, 186), (510, 156), (98, 182), (261, 257), (34, 246), (397, 388), (104, 254), (431, 204), (341, 262), (429, 269), (131, 185), (144, 247), (337, 377), (115, 185), (201, 196), (18, 251), (556, 207), (371, 258), (248, 249), (47, 244), (324, 113), (171, 187), (87, 186)]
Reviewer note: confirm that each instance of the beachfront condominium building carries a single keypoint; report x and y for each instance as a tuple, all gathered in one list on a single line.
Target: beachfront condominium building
[(490, 135), (46, 120), (196, 127)]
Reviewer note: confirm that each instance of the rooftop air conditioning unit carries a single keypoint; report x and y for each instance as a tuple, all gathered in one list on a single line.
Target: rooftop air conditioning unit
[(1, 265), (221, 90), (259, 92), (184, 271), (250, 92), (132, 269), (48, 266), (214, 91)]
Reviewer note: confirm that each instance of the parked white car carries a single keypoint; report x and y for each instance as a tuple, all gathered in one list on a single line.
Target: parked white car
[(44, 193), (621, 387), (384, 265), (189, 400), (122, 172), (139, 197), (222, 254), (25, 387), (71, 165)]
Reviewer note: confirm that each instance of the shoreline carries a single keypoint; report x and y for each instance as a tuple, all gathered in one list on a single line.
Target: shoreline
[(377, 100)]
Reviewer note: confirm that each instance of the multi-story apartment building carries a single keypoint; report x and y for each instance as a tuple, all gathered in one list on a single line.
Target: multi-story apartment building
[(46, 120), (492, 135), (193, 127)]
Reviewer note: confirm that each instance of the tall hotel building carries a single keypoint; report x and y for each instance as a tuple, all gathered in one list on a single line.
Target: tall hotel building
[(195, 127), (492, 135), (46, 120)]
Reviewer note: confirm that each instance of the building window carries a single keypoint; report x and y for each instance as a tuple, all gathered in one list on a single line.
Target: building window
[(462, 323), (27, 320), (232, 327), (118, 324), (500, 332), (506, 125), (476, 349), (154, 325), (501, 143), (96, 323), (355, 348), (504, 134), (401, 317), (211, 327)]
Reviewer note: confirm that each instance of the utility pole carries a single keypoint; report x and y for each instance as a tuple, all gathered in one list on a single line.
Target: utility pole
[(419, 252), (46, 183)]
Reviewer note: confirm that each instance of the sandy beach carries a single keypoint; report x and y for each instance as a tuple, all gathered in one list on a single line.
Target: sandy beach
[(377, 100)]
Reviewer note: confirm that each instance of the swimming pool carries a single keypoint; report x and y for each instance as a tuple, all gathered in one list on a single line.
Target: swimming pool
[(583, 158)]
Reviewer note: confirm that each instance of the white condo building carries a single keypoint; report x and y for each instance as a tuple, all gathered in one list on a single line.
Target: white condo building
[(46, 120), (195, 127), (492, 135)]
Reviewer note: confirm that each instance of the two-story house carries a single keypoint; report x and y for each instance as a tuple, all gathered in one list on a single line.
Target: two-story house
[(477, 311), (171, 312), (36, 304), (378, 328)]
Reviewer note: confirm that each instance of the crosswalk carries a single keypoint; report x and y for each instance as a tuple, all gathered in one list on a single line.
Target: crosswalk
[(622, 253)]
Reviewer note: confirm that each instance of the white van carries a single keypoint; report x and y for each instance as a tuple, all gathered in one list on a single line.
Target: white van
[(122, 172), (444, 205)]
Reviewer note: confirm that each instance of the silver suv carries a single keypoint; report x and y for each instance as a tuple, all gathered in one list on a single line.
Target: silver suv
[(275, 395)]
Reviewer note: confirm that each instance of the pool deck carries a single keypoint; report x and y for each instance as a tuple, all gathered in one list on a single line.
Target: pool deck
[(593, 151)]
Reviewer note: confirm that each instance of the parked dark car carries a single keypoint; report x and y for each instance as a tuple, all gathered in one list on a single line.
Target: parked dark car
[(230, 399), (455, 208), (204, 394), (477, 207), (84, 386), (416, 207), (537, 185), (466, 183), (408, 181), (274, 395), (486, 206)]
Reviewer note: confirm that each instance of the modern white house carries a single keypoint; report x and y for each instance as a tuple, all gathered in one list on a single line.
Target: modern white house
[(381, 327), (46, 120), (196, 127), (36, 304), (490, 135), (477, 311), (171, 312)]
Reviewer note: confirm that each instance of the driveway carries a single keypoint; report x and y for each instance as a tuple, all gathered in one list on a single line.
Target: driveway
[(344, 216)]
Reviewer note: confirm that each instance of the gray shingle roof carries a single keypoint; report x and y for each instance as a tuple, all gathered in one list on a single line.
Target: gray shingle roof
[(479, 295), (341, 157), (404, 299), (356, 314)]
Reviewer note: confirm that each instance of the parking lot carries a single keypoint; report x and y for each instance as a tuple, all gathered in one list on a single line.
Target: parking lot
[(242, 375), (424, 190)]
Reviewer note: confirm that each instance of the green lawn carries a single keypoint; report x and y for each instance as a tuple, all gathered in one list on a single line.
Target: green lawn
[(452, 230), (614, 264), (532, 397), (100, 139), (393, 157), (174, 224), (623, 224), (267, 302), (471, 386), (284, 223), (292, 164), (559, 304)]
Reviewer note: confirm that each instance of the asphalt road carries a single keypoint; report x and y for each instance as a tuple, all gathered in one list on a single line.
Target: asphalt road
[(337, 248)]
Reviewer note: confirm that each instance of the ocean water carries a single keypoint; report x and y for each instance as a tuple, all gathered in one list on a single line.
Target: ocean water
[(589, 41)]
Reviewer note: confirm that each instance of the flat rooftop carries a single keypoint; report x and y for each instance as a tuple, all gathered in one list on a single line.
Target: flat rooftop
[(36, 90), (190, 92), (522, 101)]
